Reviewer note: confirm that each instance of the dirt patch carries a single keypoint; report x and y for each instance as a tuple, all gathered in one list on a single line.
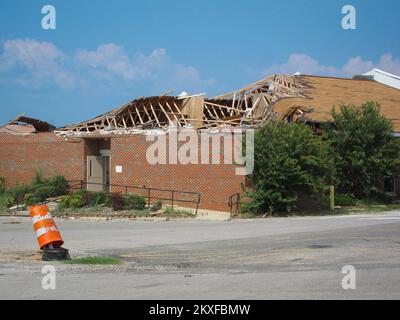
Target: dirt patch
[(21, 256)]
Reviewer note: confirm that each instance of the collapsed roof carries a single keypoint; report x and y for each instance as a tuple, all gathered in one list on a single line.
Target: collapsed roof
[(250, 106), (289, 98), (23, 125)]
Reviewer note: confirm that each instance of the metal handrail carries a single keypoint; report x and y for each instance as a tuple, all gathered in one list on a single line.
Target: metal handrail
[(82, 184), (232, 204)]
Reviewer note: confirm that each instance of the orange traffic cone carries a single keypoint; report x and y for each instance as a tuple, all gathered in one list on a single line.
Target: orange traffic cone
[(45, 227)]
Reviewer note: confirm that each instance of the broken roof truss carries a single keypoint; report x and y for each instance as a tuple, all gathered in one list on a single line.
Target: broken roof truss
[(250, 106), (38, 125)]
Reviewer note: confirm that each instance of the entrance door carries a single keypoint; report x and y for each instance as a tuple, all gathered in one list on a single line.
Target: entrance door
[(95, 173), (106, 173)]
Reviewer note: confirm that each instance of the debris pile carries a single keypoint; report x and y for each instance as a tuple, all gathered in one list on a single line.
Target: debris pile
[(250, 106)]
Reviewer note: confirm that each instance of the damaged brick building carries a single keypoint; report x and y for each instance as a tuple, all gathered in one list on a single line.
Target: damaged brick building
[(109, 152)]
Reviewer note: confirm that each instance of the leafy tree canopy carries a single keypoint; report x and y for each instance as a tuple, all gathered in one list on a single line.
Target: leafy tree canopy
[(290, 160), (365, 149)]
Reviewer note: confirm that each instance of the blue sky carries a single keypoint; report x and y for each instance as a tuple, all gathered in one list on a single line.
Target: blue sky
[(105, 53)]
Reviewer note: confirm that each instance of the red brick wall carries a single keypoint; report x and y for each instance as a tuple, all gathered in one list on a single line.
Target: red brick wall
[(21, 156), (215, 182)]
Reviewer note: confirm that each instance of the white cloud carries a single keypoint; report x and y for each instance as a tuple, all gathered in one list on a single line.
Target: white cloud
[(157, 67), (150, 66), (42, 60), (389, 64), (357, 66), (303, 63), (167, 74), (32, 62), (189, 75), (108, 57), (300, 62)]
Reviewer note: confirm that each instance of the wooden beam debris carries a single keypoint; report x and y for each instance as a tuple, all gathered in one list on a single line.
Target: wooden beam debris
[(252, 105)]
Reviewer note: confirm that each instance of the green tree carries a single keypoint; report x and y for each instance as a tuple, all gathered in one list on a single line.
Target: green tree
[(365, 150), (290, 160)]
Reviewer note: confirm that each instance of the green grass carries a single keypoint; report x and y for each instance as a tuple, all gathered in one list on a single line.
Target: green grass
[(95, 261), (138, 213), (170, 212)]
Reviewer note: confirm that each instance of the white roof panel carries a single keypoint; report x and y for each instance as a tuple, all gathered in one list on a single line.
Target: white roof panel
[(383, 77)]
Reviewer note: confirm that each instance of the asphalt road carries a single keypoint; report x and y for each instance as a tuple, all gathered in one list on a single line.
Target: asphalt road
[(294, 258)]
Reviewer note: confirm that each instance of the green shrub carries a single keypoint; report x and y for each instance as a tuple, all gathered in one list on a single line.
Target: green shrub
[(92, 199), (9, 201), (38, 178), (289, 161), (382, 197), (66, 202), (156, 206), (87, 199), (40, 189), (19, 191), (76, 202), (345, 200), (60, 184), (2, 185), (31, 199), (364, 149), (80, 193), (3, 201), (83, 198), (44, 192), (134, 202), (117, 201), (6, 201), (248, 203), (98, 198), (73, 201)]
